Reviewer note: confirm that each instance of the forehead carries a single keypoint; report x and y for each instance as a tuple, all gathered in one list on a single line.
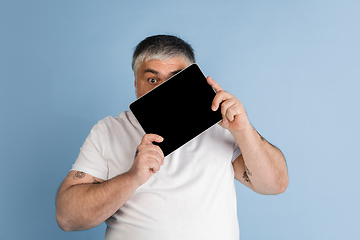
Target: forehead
[(162, 66)]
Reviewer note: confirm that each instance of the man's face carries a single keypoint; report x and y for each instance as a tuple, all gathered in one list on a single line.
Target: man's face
[(153, 72)]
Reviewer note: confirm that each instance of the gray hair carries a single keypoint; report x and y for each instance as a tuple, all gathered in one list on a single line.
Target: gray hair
[(161, 47)]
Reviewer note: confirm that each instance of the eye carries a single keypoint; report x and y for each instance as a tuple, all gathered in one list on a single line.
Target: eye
[(152, 80)]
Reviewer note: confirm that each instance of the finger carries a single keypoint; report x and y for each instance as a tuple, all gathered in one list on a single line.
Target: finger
[(214, 84), (227, 109), (153, 165), (219, 98), (232, 112), (149, 138), (155, 157), (159, 153), (150, 151)]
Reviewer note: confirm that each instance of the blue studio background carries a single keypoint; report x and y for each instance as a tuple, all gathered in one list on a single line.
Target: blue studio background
[(64, 65)]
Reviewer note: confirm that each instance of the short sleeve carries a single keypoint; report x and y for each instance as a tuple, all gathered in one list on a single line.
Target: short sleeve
[(236, 153), (91, 159)]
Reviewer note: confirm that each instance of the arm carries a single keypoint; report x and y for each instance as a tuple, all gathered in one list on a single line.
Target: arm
[(84, 201), (261, 166)]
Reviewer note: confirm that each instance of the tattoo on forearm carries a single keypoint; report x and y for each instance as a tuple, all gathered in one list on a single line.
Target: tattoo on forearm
[(246, 177), (246, 174), (78, 175), (137, 152), (248, 171)]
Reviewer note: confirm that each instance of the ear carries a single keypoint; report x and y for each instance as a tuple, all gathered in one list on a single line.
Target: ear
[(134, 80)]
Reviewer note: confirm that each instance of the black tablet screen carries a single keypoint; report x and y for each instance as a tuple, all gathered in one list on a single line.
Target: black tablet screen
[(178, 109)]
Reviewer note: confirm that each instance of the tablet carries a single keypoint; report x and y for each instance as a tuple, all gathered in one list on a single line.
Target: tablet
[(178, 109)]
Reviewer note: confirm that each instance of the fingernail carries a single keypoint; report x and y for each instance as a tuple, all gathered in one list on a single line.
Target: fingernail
[(213, 108)]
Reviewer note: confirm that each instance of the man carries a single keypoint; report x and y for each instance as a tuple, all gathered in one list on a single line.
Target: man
[(122, 178)]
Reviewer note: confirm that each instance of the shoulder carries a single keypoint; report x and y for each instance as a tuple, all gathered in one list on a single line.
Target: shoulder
[(104, 127), (114, 129), (111, 121), (123, 118)]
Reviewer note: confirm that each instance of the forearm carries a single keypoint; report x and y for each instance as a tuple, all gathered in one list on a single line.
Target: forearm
[(84, 206), (265, 165)]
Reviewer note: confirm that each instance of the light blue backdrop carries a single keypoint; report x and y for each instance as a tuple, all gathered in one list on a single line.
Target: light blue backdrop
[(293, 64)]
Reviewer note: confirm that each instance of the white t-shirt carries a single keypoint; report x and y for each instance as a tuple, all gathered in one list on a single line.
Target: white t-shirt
[(191, 197)]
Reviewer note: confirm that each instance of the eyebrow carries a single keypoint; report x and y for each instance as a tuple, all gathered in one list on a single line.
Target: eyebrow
[(149, 70), (175, 72)]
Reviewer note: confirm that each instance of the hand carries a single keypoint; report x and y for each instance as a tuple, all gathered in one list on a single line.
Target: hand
[(232, 110), (148, 159)]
